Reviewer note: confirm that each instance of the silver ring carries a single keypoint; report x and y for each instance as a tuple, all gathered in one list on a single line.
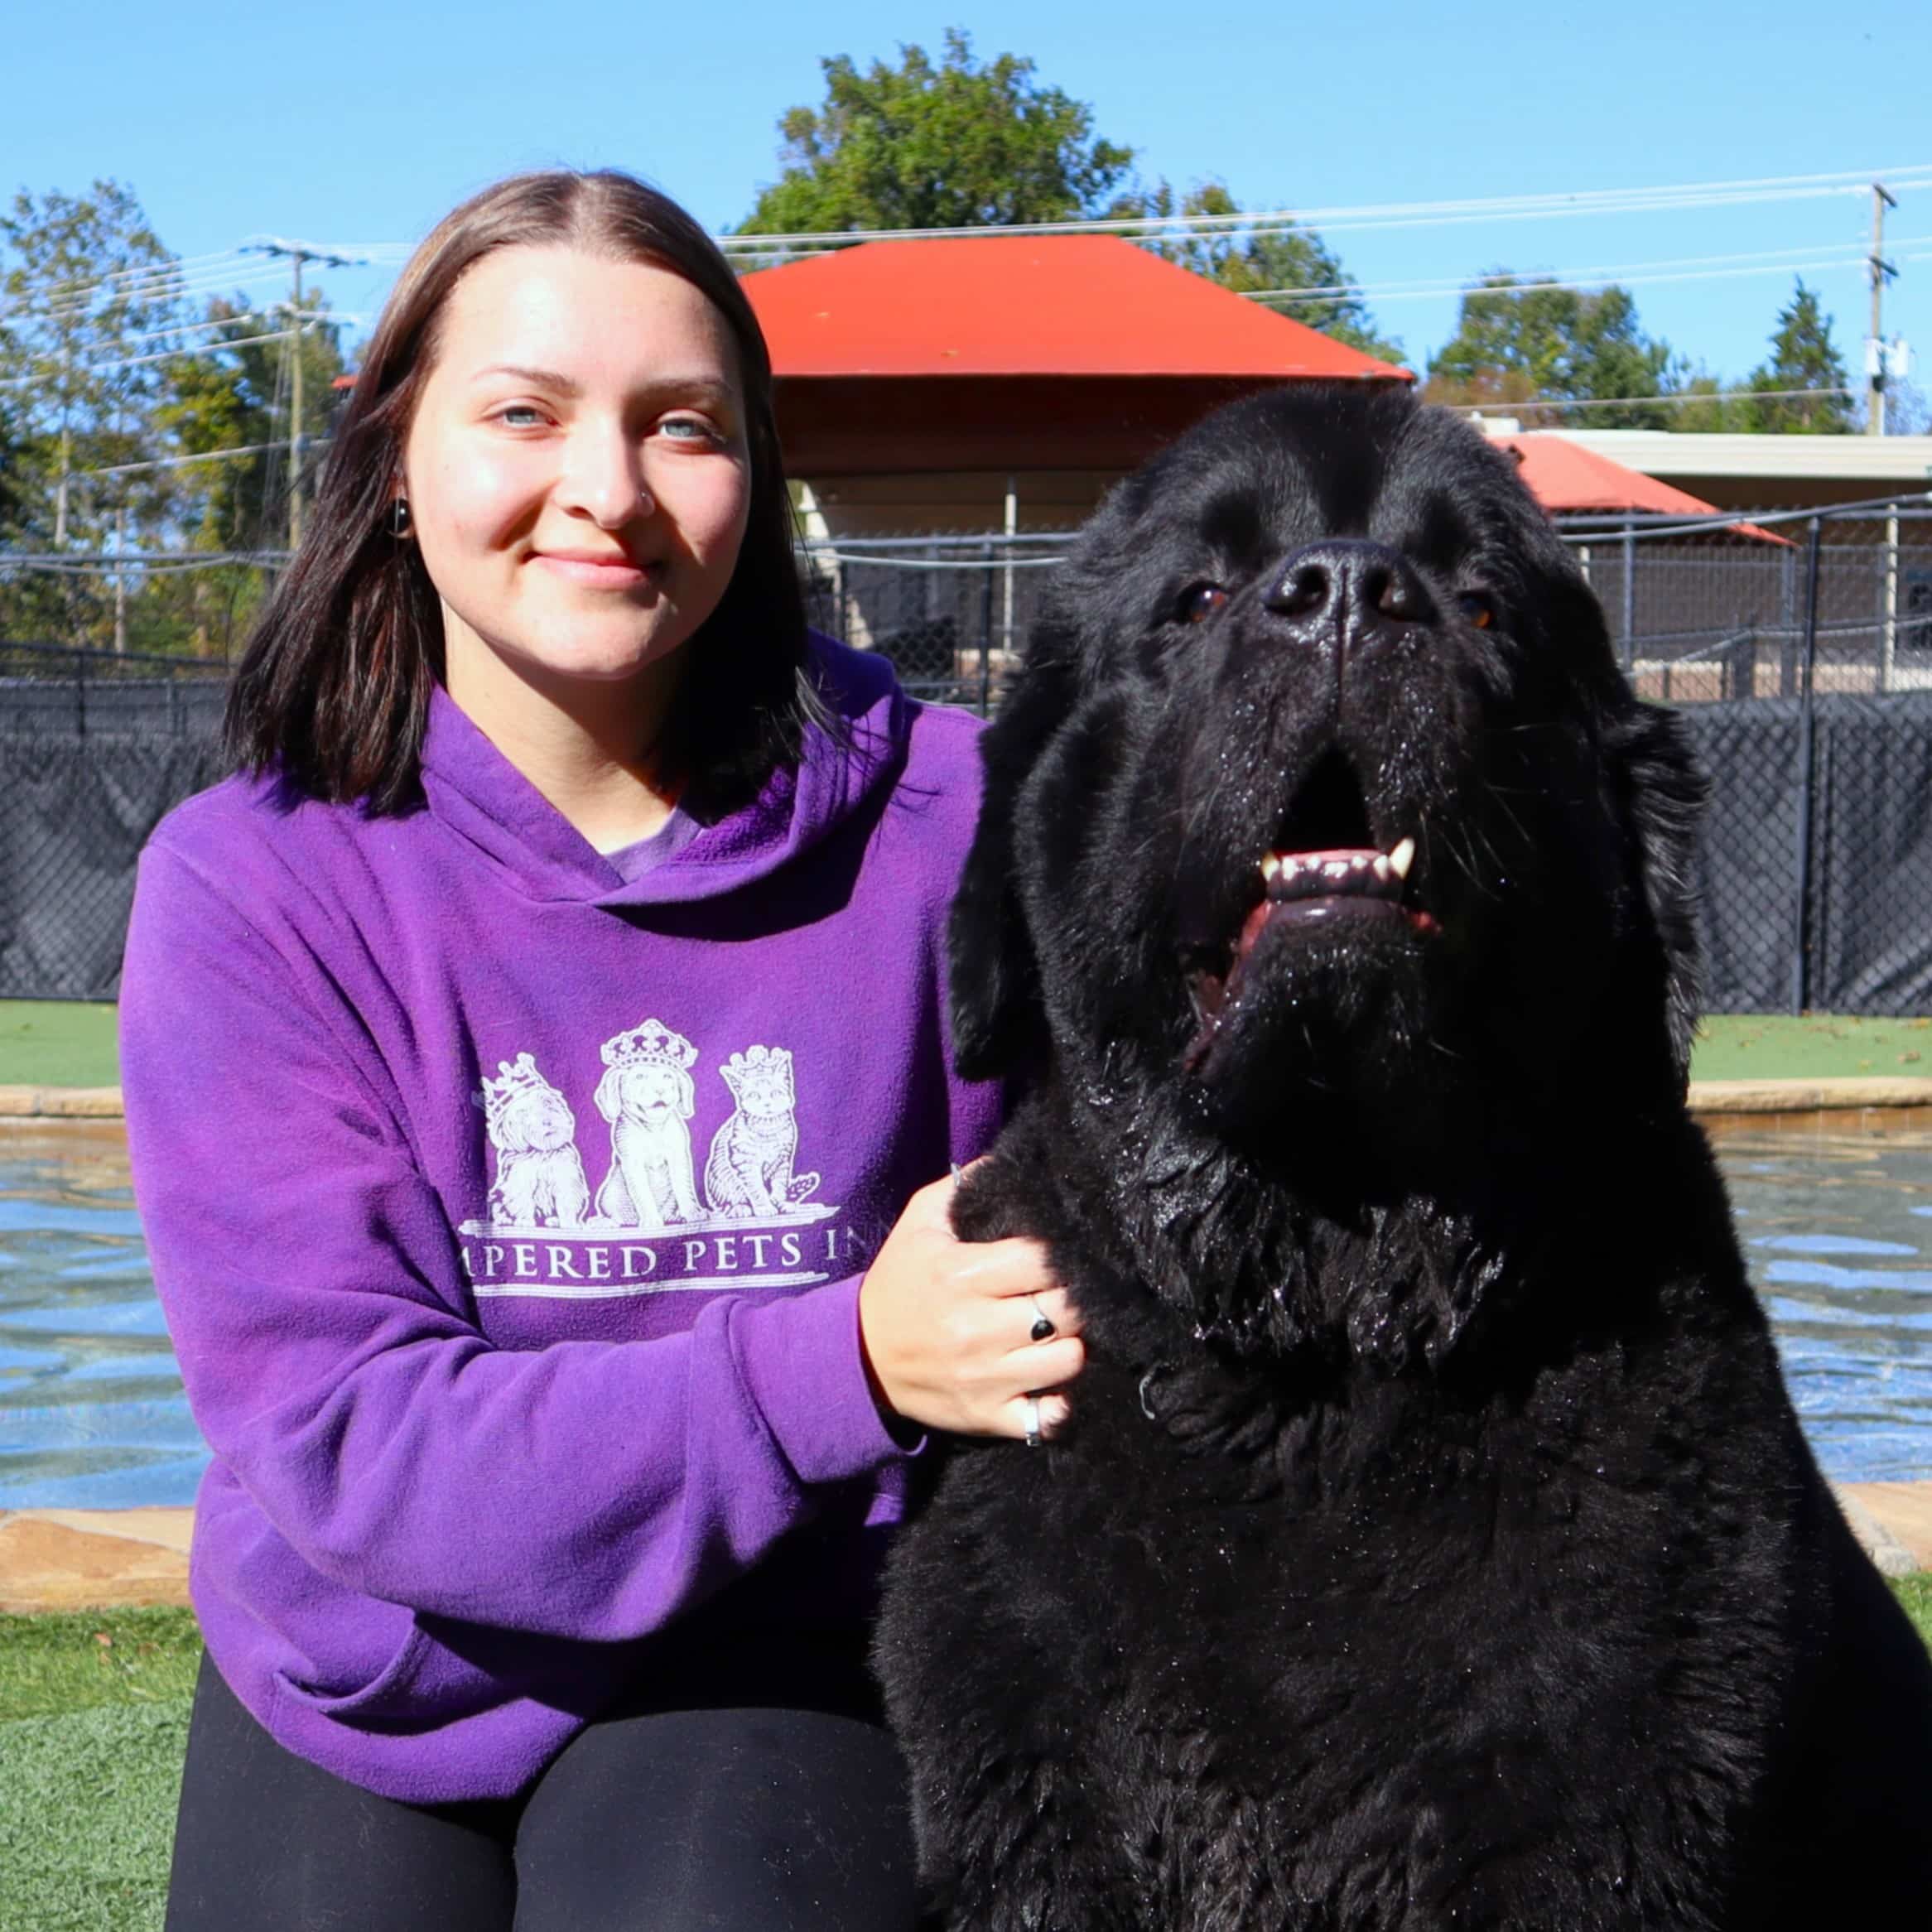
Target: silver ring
[(1034, 1437)]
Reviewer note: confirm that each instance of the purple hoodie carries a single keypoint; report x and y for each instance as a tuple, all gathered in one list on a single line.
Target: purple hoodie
[(508, 1220)]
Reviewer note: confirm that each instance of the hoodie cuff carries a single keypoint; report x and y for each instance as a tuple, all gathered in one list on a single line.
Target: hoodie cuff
[(801, 1362)]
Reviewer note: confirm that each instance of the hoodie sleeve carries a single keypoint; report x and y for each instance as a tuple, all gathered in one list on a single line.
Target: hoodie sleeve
[(312, 1285)]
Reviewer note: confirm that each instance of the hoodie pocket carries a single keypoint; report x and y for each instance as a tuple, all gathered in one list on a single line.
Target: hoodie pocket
[(388, 1694)]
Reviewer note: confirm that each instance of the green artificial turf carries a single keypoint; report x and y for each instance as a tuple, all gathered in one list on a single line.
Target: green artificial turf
[(54, 1665), (58, 1043), (1808, 1046), (87, 1816), (93, 1715), (55, 1043), (1916, 1594), (91, 1737)]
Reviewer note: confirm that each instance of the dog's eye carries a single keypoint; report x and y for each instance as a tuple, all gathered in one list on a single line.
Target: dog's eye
[(1479, 607), (1200, 601)]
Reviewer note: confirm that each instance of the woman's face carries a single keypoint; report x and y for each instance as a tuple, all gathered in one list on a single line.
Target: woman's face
[(577, 471)]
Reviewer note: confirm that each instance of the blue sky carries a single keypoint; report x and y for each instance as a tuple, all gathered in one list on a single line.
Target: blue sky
[(363, 122)]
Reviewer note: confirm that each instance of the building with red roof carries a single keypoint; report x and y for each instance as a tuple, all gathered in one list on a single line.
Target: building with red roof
[(916, 380), (1569, 479)]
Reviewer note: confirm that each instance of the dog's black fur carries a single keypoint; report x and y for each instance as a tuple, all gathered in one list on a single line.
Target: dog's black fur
[(1433, 1544)]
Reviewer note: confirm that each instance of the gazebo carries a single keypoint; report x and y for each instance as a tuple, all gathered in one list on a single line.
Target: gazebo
[(996, 382)]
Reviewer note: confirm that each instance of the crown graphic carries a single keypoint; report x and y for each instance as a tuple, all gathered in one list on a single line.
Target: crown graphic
[(653, 1044), (511, 1082), (758, 1057)]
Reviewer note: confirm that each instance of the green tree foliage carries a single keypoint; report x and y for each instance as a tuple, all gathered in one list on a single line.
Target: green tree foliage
[(1519, 341), (92, 304), (1265, 263), (1803, 357), (240, 400), (960, 144), (108, 379)]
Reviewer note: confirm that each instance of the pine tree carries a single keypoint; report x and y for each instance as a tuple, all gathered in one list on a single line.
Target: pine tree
[(1803, 357)]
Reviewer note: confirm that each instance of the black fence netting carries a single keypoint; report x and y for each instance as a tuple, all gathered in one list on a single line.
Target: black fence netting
[(1797, 650), (94, 750)]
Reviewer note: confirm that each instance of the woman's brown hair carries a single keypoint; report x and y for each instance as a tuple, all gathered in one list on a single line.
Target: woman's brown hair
[(333, 691)]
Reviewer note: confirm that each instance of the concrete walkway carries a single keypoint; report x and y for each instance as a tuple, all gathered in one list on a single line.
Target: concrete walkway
[(1826, 1093), (77, 1559)]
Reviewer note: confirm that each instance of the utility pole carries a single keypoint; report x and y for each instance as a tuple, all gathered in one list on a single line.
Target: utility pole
[(1882, 272), (299, 252), (66, 446), (295, 410), (121, 576)]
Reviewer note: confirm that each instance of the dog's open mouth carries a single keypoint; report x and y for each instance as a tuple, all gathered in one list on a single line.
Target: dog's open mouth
[(1310, 885)]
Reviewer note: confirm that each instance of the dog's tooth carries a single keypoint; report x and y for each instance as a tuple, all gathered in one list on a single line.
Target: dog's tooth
[(1270, 865), (1401, 858), (1382, 868), (1291, 866), (1334, 869), (1358, 862)]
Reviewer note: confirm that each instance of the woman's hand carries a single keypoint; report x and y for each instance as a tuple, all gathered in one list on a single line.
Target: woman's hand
[(947, 1327)]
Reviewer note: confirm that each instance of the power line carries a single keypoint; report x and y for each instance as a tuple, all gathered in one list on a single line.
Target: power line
[(1843, 254), (1465, 284), (1391, 214), (1671, 399), (135, 362)]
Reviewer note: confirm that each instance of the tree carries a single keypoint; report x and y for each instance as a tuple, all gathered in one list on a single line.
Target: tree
[(1803, 357), (237, 398), (1259, 262), (1521, 342), (958, 145), (93, 302)]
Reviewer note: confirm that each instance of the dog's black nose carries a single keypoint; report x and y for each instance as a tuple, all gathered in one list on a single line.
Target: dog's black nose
[(1350, 583)]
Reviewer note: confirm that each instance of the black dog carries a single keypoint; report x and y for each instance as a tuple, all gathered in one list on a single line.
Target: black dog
[(1433, 1545)]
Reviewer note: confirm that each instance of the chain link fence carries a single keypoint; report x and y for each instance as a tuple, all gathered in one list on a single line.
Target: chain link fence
[(1797, 646), (94, 748)]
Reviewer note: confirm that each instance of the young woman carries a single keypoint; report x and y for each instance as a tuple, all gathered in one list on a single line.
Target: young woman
[(537, 1086)]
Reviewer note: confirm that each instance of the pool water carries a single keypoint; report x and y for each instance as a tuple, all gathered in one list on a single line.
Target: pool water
[(1836, 1228), (92, 1415)]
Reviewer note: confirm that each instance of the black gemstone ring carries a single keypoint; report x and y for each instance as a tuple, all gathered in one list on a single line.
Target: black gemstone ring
[(1042, 1327)]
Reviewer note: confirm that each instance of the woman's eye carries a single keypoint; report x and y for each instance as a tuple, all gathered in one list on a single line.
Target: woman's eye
[(520, 416), (689, 428), (1199, 602), (1479, 607)]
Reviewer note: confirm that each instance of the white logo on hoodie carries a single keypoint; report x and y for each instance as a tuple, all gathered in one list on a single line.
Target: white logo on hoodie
[(647, 1230)]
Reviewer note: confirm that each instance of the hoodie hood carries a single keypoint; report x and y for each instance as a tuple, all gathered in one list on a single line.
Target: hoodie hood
[(470, 787)]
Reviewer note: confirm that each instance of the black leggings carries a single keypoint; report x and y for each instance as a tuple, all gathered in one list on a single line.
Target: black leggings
[(754, 1817)]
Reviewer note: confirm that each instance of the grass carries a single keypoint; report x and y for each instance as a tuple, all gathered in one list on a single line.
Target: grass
[(1810, 1046), (52, 1666), (58, 1043), (94, 1717)]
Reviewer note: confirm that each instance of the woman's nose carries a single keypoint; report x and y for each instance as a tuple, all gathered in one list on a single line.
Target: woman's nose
[(603, 477)]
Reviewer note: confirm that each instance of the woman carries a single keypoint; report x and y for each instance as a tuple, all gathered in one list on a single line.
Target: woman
[(537, 1074)]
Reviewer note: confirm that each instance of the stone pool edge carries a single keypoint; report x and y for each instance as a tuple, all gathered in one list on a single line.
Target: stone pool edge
[(60, 1103), (1821, 1094), (112, 1559)]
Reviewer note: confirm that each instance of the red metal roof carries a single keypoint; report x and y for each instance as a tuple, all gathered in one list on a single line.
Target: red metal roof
[(1566, 479), (1029, 305)]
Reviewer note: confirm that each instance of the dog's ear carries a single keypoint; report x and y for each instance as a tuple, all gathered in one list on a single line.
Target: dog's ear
[(999, 1024), (1664, 795)]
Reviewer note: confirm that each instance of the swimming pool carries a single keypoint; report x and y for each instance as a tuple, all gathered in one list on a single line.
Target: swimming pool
[(1835, 1218)]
